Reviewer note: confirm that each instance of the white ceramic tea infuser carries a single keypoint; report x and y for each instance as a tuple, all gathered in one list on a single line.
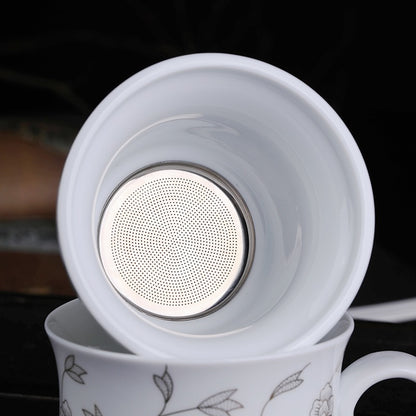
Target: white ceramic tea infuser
[(215, 206)]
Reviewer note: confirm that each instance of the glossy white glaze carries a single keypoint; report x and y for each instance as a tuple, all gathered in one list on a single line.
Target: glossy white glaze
[(286, 152), (97, 376)]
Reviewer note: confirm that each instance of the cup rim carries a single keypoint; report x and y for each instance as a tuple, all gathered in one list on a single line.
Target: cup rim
[(208, 361)]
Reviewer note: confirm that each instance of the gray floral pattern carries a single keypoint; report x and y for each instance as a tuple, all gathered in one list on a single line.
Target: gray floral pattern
[(76, 373), (219, 404), (288, 384), (97, 412), (64, 409), (73, 370), (324, 406), (222, 403)]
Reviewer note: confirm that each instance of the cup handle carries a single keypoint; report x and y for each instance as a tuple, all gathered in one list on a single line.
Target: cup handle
[(369, 370)]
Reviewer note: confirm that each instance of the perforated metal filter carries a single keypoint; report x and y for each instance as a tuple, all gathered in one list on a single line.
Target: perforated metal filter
[(176, 241)]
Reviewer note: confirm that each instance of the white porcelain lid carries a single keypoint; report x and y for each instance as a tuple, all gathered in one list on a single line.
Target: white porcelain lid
[(284, 151)]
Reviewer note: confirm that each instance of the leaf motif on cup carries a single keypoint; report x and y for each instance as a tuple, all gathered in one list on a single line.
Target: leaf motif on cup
[(165, 384), (75, 373), (73, 370), (64, 409), (219, 404), (97, 412), (69, 362), (289, 383)]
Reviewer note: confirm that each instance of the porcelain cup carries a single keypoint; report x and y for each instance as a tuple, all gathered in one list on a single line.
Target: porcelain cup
[(285, 152), (98, 377)]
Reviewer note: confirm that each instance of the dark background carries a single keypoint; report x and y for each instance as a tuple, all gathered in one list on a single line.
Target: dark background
[(61, 60), (58, 60)]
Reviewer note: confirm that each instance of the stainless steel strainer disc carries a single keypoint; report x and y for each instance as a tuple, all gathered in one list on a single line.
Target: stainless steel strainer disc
[(176, 240)]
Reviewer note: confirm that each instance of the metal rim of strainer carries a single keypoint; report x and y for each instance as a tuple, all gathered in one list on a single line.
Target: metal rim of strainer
[(173, 273)]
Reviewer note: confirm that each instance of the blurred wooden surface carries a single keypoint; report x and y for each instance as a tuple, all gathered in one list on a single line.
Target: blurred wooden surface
[(32, 154), (34, 273), (29, 177)]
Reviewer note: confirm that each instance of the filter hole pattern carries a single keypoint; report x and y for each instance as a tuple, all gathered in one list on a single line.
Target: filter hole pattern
[(174, 241)]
